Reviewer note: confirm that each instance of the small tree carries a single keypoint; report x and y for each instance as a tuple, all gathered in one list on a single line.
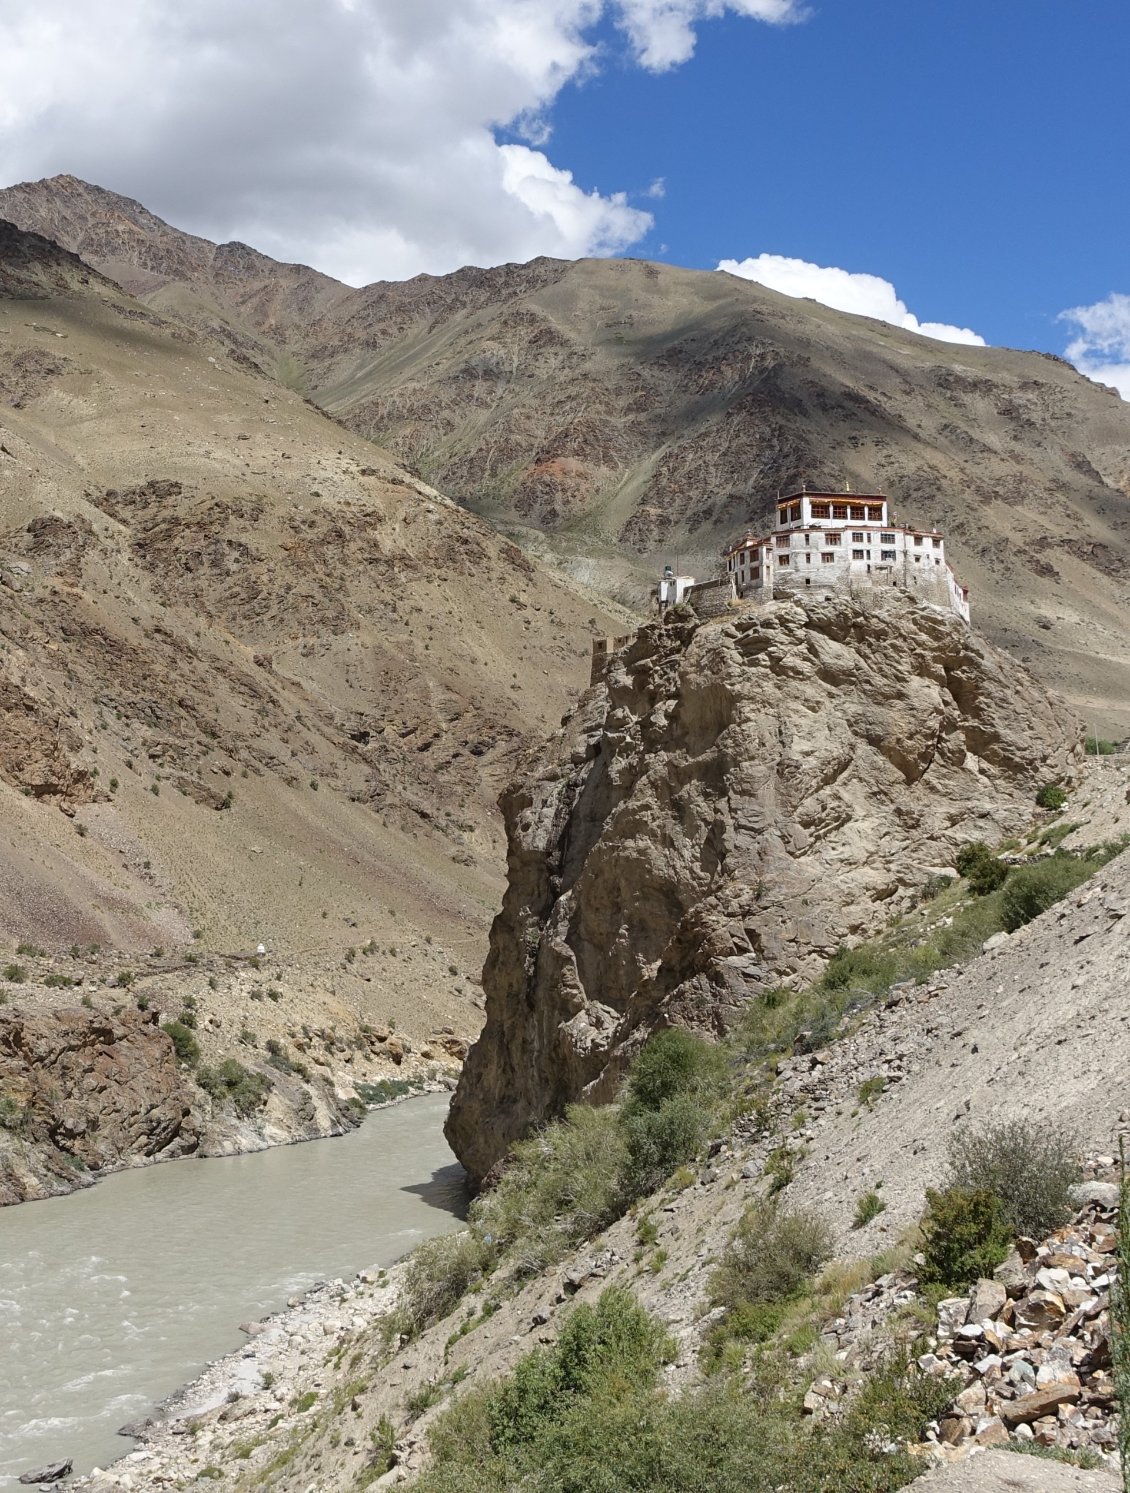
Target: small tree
[(1029, 1169), (1051, 796), (980, 867)]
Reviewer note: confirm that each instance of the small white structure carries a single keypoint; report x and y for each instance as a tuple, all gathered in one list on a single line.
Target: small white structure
[(831, 542), (673, 588)]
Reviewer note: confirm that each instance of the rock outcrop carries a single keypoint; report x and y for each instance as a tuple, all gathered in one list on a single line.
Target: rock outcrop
[(83, 1092), (732, 803)]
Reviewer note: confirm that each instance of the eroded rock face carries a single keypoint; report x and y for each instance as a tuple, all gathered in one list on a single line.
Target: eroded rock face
[(83, 1092), (734, 802)]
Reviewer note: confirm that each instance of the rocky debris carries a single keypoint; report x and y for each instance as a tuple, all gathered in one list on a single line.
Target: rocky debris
[(52, 1473), (731, 804), (1032, 1347), (255, 1395), (82, 1092)]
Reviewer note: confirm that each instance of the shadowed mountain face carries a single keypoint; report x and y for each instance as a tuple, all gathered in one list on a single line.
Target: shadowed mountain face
[(616, 414)]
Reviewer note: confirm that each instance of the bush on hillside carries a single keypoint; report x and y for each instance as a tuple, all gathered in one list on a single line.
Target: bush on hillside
[(661, 1140), (1028, 1167), (230, 1084), (1031, 890), (185, 1045), (1051, 796), (673, 1063), (980, 867), (1098, 746), (772, 1255), (965, 1236), (437, 1276), (560, 1186), (589, 1416)]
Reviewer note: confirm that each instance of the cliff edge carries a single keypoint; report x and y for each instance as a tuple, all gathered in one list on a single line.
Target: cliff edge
[(732, 803)]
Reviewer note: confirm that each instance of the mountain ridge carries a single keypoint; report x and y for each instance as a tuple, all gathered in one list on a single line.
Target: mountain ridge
[(611, 415)]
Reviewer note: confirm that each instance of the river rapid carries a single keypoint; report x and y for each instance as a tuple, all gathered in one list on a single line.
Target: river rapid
[(112, 1297)]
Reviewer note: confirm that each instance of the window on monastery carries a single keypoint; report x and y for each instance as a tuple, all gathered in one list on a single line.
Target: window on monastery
[(886, 554), (807, 541), (808, 559), (918, 538), (858, 512), (887, 538), (794, 514), (755, 573), (821, 510), (782, 541), (936, 560), (831, 539), (875, 515), (828, 558), (839, 510), (857, 554), (857, 539), (782, 559), (937, 544)]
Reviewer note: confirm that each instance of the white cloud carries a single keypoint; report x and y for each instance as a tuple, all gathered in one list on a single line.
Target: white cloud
[(1101, 349), (843, 290), (662, 31), (359, 135)]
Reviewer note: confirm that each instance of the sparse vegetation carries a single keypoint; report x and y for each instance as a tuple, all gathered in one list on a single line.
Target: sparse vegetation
[(1099, 746), (869, 1206), (232, 1085), (1031, 890), (1028, 1167), (185, 1045), (15, 974), (983, 872), (965, 1235), (1051, 796)]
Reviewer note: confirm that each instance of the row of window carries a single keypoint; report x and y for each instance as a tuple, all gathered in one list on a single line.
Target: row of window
[(827, 558), (790, 513)]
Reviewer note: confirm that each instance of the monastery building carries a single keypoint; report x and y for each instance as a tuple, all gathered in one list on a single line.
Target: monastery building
[(836, 541)]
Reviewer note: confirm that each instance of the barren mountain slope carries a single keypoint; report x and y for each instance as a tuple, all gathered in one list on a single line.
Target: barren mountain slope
[(634, 413), (256, 681), (733, 803)]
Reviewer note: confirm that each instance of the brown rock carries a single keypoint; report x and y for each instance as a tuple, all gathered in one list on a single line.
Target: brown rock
[(716, 751), (1031, 1408)]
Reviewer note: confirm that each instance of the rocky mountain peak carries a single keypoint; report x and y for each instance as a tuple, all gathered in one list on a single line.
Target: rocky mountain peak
[(734, 802)]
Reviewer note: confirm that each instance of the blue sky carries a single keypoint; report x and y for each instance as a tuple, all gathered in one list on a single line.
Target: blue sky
[(955, 167), (975, 154)]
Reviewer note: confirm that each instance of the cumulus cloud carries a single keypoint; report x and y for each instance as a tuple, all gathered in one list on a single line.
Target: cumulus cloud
[(843, 290), (1101, 347), (663, 31), (359, 135)]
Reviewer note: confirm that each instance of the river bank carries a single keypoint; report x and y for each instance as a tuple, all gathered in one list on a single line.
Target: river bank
[(119, 1294), (244, 1409)]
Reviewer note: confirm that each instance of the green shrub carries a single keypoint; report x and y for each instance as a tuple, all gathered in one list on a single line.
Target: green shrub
[(980, 867), (279, 1058), (1033, 889), (185, 1045), (1098, 746), (437, 1276), (587, 1416), (58, 982), (773, 1253), (965, 1235), (1028, 1167), (869, 1206), (865, 967), (15, 973), (562, 1185), (230, 1084), (661, 1140), (13, 1115), (673, 1063), (1051, 796)]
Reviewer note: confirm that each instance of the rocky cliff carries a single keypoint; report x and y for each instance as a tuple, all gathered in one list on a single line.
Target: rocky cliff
[(732, 803), (83, 1092)]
